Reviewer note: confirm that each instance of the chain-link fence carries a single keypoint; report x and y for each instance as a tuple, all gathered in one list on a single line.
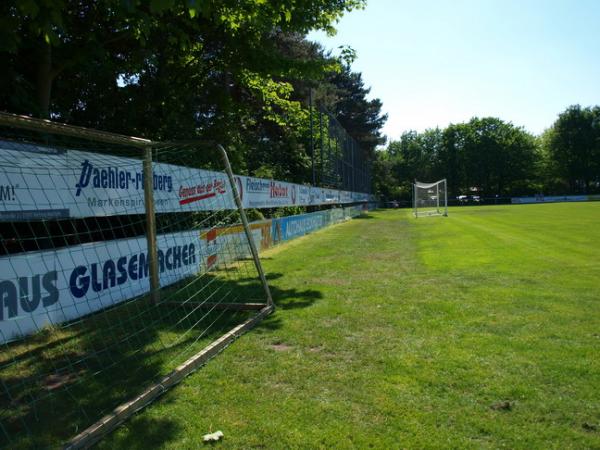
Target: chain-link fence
[(337, 159)]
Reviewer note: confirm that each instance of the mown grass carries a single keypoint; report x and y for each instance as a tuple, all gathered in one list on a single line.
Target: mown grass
[(480, 330), (63, 379)]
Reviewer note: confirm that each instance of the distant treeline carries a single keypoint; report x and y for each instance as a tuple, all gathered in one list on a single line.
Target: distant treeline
[(489, 157)]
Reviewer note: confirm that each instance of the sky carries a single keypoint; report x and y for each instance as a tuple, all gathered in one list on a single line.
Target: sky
[(436, 62)]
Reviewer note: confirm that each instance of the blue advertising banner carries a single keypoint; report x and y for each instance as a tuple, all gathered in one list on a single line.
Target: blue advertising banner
[(286, 228)]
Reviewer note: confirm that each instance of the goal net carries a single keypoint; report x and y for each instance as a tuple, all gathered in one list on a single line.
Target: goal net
[(109, 294), (430, 199)]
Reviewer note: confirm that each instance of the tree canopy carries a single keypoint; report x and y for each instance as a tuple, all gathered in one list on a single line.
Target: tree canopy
[(234, 71), (573, 147)]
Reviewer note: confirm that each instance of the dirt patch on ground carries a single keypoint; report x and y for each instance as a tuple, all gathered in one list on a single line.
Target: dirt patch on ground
[(280, 347), (502, 406), (58, 380), (332, 281)]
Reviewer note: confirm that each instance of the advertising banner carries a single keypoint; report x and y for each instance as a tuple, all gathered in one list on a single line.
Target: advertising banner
[(50, 287), (336, 215), (42, 182), (354, 211), (550, 199), (261, 193), (287, 228), (227, 244), (54, 286)]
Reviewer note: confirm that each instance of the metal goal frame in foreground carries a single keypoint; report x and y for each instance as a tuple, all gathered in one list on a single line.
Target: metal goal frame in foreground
[(158, 296)]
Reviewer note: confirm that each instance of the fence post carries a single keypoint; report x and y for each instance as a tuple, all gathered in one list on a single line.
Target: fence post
[(246, 225), (414, 199), (321, 141), (352, 171), (151, 225), (312, 138), (445, 197)]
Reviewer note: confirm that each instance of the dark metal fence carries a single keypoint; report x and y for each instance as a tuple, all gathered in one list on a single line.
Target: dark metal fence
[(337, 159)]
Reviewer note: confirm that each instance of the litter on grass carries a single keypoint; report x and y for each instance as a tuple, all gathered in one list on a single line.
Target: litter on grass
[(213, 437)]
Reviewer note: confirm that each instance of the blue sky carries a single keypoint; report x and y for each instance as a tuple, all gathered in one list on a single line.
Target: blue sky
[(438, 62)]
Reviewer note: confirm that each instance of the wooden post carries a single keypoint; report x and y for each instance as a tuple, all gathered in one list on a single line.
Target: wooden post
[(151, 226)]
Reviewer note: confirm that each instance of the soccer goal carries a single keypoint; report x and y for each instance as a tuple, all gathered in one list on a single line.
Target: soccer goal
[(430, 199), (125, 265)]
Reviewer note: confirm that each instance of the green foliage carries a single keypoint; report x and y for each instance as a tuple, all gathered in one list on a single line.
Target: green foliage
[(386, 182), (275, 97), (573, 148), (254, 215), (488, 154), (288, 211), (363, 118), (235, 72)]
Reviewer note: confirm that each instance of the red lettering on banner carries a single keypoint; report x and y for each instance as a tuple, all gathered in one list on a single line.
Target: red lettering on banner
[(201, 191), (196, 199), (277, 190), (211, 235)]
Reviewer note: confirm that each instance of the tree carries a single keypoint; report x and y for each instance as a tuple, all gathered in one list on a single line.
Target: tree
[(166, 69), (497, 156), (573, 146), (488, 154), (43, 40), (386, 183), (361, 117)]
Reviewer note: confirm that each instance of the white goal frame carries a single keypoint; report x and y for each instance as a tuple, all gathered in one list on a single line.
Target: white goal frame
[(430, 206)]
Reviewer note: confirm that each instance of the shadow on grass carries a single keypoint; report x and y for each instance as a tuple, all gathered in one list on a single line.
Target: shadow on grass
[(294, 298), (290, 298), (147, 433), (58, 382), (363, 217)]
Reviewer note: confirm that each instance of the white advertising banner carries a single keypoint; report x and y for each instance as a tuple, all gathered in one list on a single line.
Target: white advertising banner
[(550, 199), (42, 182), (54, 286), (50, 287)]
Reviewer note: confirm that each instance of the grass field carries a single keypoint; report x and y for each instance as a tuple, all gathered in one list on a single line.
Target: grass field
[(480, 330)]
